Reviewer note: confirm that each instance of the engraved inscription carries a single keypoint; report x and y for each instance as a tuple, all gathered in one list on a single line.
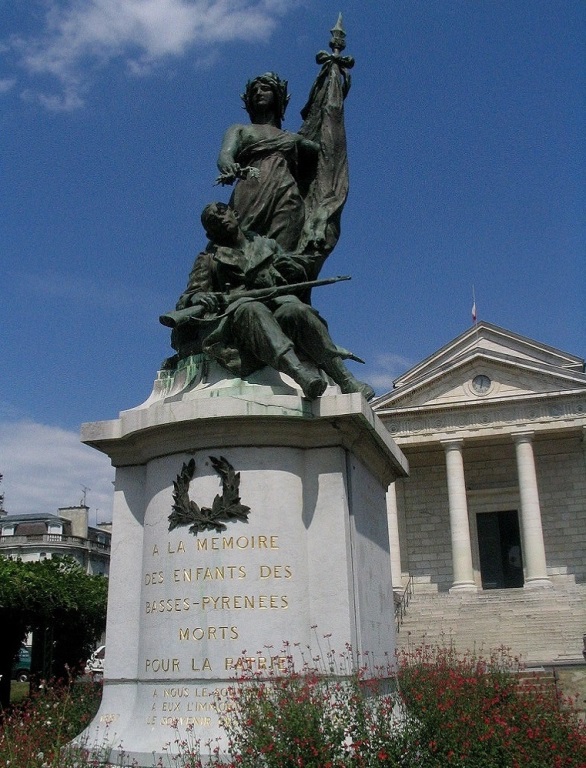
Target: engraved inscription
[(238, 602), (208, 633)]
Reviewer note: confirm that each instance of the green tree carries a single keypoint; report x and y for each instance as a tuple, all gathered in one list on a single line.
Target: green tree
[(14, 584), (64, 607)]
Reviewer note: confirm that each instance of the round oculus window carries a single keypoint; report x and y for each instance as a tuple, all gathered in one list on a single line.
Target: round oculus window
[(481, 384)]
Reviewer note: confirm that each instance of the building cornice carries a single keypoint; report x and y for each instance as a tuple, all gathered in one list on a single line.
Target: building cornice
[(545, 412)]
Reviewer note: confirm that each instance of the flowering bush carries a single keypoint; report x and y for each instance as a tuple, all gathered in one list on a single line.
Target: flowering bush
[(302, 720), (455, 710), (469, 711), (33, 732)]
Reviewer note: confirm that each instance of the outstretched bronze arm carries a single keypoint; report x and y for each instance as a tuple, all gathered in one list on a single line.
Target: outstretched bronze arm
[(195, 313)]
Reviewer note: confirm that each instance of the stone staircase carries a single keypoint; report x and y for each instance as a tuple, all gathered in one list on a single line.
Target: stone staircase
[(539, 679), (542, 626)]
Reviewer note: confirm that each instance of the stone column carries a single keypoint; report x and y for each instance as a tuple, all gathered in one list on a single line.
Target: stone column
[(531, 529), (395, 544), (459, 524)]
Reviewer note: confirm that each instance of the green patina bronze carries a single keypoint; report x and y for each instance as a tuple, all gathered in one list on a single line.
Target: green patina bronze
[(248, 300)]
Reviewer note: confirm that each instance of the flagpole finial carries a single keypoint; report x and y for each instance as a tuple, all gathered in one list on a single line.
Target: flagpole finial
[(338, 40)]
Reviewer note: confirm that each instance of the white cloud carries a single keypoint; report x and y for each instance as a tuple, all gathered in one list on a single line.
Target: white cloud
[(386, 368), (79, 35), (7, 84), (46, 467)]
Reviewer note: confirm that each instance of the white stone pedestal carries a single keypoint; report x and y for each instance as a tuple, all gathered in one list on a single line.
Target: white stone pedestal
[(187, 613)]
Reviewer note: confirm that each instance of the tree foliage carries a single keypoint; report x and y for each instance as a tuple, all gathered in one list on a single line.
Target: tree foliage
[(64, 607)]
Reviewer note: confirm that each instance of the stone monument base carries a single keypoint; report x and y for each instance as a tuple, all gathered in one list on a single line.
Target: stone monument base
[(189, 610)]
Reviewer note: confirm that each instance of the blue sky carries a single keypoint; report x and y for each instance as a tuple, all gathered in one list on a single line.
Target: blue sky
[(465, 127)]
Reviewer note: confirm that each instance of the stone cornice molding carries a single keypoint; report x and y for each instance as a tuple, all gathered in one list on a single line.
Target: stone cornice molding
[(543, 414), (162, 429)]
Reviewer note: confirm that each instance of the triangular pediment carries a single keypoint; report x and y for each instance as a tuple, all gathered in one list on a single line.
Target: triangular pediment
[(486, 363)]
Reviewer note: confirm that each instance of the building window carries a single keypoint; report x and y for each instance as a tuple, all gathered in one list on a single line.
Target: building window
[(55, 528)]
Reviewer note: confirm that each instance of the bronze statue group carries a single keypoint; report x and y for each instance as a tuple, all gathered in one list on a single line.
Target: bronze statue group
[(247, 302)]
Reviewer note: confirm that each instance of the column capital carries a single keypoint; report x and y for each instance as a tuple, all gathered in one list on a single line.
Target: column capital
[(526, 436), (452, 442)]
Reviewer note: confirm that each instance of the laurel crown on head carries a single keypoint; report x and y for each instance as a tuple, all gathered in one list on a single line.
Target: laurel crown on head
[(279, 88)]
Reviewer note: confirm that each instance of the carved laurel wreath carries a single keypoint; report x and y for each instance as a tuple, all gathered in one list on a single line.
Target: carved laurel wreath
[(225, 508)]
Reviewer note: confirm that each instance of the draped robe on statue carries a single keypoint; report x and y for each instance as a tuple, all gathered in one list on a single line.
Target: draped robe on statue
[(271, 204), (296, 202)]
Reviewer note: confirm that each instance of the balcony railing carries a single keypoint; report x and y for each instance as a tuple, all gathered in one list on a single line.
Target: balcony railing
[(74, 542)]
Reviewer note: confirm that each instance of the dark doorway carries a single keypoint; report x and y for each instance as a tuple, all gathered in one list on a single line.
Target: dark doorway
[(499, 545)]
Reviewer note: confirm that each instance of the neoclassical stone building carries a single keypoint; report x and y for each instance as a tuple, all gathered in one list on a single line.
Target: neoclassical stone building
[(489, 529)]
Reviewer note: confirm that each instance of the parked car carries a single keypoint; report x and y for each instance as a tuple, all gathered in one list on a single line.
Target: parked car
[(94, 666), (21, 669)]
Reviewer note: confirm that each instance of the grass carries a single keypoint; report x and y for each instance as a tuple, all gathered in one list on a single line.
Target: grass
[(19, 691)]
